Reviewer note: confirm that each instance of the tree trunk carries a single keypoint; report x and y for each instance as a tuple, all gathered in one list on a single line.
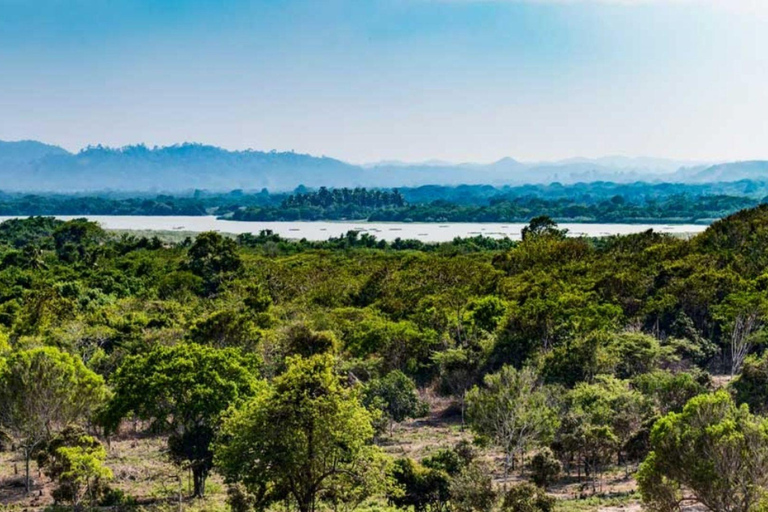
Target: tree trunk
[(199, 475), (27, 455), (506, 471)]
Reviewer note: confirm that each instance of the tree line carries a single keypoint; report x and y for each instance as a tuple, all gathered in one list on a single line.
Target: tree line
[(592, 202)]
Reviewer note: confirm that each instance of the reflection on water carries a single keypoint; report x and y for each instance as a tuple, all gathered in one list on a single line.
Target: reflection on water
[(381, 230)]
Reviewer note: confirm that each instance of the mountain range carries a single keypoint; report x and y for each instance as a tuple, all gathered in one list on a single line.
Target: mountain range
[(31, 166)]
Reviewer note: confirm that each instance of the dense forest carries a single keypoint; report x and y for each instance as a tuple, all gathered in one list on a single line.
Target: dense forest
[(257, 373), (583, 202)]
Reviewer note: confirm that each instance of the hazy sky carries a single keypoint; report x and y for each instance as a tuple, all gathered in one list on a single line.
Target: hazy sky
[(365, 80)]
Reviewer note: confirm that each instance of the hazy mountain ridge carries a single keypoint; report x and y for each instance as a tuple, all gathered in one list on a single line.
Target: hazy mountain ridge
[(179, 167), (35, 166)]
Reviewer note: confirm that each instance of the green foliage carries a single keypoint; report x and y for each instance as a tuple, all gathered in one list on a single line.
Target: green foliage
[(545, 468), (419, 486), (619, 330), (396, 396), (751, 386), (598, 420), (78, 241), (306, 437), (301, 340), (75, 461), (542, 226), (671, 391), (472, 490), (184, 390), (224, 329), (512, 411), (214, 259), (43, 391), (635, 354), (527, 498), (715, 450)]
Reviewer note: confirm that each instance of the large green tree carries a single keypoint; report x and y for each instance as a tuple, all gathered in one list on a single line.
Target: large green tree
[(42, 391), (306, 438), (184, 390), (213, 258), (713, 453)]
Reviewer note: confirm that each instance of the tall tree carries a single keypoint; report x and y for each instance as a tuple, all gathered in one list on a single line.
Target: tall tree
[(185, 389), (511, 410), (213, 258), (42, 391), (305, 438)]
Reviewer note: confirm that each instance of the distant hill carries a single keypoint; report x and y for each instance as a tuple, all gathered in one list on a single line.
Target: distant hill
[(508, 171), (25, 152), (24, 166), (30, 166), (734, 171)]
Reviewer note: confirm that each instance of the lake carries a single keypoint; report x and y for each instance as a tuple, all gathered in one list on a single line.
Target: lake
[(427, 232)]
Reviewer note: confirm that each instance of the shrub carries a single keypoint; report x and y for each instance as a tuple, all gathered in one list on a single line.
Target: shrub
[(545, 468), (472, 490), (527, 498)]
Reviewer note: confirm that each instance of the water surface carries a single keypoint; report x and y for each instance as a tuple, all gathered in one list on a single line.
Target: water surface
[(427, 232)]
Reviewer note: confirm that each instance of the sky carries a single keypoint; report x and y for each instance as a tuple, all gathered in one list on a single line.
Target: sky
[(412, 80)]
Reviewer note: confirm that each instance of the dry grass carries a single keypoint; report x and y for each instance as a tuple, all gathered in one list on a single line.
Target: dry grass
[(142, 470)]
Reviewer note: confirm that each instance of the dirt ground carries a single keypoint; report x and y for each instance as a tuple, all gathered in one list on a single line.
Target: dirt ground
[(142, 470)]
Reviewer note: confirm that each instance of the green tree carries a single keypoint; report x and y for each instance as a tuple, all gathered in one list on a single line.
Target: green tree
[(669, 391), (396, 395), (512, 411), (545, 468), (419, 486), (305, 438), (472, 489), (636, 353), (75, 461), (184, 390), (43, 391), (460, 369), (213, 258), (712, 453), (751, 385), (526, 497), (542, 225), (78, 240), (598, 420)]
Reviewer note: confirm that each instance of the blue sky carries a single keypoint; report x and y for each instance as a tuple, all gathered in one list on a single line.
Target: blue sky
[(364, 80)]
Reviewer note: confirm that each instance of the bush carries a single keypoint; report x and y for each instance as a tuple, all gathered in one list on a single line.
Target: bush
[(472, 490), (418, 486), (527, 498), (545, 468), (117, 499), (238, 499), (396, 396)]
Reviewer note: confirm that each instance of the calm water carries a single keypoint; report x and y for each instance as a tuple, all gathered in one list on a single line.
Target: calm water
[(432, 232)]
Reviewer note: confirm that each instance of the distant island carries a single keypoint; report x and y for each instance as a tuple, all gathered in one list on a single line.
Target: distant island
[(600, 202)]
